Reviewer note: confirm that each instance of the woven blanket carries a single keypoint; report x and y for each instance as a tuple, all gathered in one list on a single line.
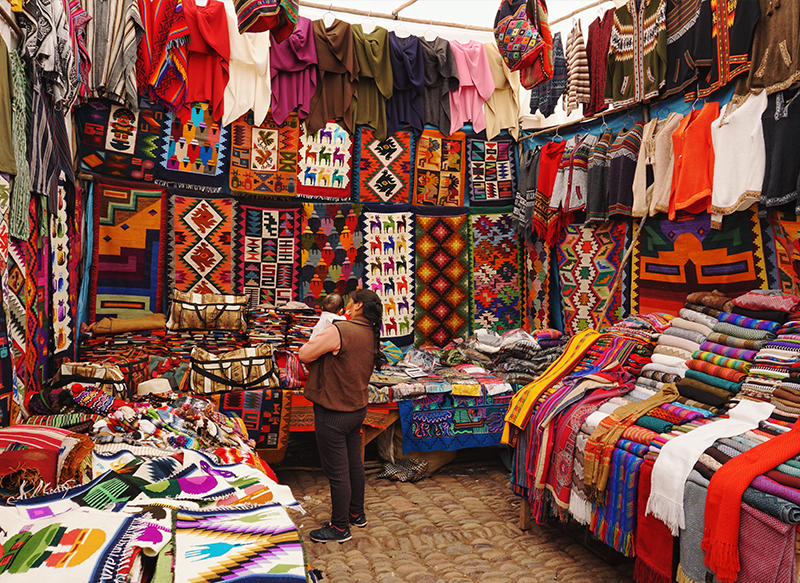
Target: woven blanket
[(200, 244), (266, 253), (536, 311), (324, 167), (264, 157), (589, 257), (442, 278), (722, 361), (302, 412), (673, 258), (653, 540), (332, 251), (492, 171), (194, 153), (16, 318), (388, 235), (740, 332), (729, 351), (118, 142), (751, 323), (496, 270), (615, 522), (783, 254), (383, 171), (440, 169)]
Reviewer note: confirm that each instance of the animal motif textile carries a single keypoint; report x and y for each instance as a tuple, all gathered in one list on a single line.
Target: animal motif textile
[(492, 171), (16, 317), (60, 254), (128, 268), (536, 312), (264, 157), (589, 257), (496, 270), (324, 167), (440, 169), (332, 251), (441, 421), (442, 276), (383, 171), (266, 249), (784, 254), (673, 258), (388, 233), (200, 256), (194, 153), (118, 142)]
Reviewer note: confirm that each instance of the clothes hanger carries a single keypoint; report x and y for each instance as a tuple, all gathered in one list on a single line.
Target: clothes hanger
[(465, 37), (401, 31), (603, 125), (429, 34), (368, 25), (12, 24), (329, 17)]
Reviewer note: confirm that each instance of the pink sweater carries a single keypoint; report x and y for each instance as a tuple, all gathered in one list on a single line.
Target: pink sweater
[(476, 85)]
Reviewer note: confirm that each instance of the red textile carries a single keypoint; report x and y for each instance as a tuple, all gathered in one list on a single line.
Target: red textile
[(597, 43), (543, 215), (28, 465), (653, 539), (209, 52)]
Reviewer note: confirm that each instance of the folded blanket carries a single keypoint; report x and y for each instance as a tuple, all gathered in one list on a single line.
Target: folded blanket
[(698, 317), (686, 334), (736, 342), (741, 332), (702, 392), (713, 381), (728, 374), (750, 323), (676, 342), (654, 424), (728, 351), (773, 315), (733, 363), (703, 309), (670, 361), (768, 300), (655, 367), (697, 404), (713, 299), (674, 352), (692, 326)]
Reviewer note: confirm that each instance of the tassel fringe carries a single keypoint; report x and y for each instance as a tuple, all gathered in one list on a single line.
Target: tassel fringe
[(682, 577), (580, 509), (667, 511), (645, 573)]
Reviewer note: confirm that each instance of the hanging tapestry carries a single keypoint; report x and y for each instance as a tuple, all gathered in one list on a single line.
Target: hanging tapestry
[(16, 318), (118, 142), (266, 253), (302, 413), (673, 258), (194, 152), (784, 254), (439, 169), (442, 277), (388, 234), (589, 258), (536, 314), (200, 254), (383, 171), (32, 292), (332, 251), (264, 157), (266, 414), (442, 421), (127, 274), (60, 255), (492, 171), (324, 167), (496, 268)]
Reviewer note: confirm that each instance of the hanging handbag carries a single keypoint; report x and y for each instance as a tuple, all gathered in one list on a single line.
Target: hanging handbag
[(519, 37), (246, 368), (208, 312)]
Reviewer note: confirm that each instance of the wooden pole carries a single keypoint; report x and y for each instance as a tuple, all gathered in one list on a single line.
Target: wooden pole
[(578, 11)]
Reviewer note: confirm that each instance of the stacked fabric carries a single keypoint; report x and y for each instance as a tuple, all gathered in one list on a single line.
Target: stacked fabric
[(167, 344), (299, 329), (522, 358), (265, 324)]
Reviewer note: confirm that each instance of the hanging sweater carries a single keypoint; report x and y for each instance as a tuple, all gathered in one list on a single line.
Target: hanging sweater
[(682, 16), (526, 191), (474, 88), (623, 154), (374, 78), (652, 182), (293, 71), (549, 161), (781, 124), (441, 77), (578, 85), (208, 56), (597, 45), (569, 189), (597, 188), (776, 47), (501, 109), (545, 97), (408, 77)]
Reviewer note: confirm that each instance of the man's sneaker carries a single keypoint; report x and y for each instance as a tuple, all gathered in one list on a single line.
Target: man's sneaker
[(359, 519), (329, 533)]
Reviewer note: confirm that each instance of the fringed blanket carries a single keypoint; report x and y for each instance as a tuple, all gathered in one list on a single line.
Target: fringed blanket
[(615, 522), (383, 171), (324, 170), (440, 169), (492, 171)]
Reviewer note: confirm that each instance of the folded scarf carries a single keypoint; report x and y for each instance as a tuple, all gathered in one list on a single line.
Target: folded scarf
[(703, 310), (698, 317), (614, 523), (686, 334), (714, 370), (653, 539), (783, 393), (650, 383), (772, 315), (654, 424), (678, 456), (697, 404), (656, 367), (671, 361), (736, 342), (702, 392), (713, 381), (791, 482), (720, 537), (673, 352), (676, 342), (740, 332), (685, 413), (639, 434), (692, 558), (713, 299), (666, 415), (692, 326), (750, 323), (777, 507), (724, 361), (729, 351)]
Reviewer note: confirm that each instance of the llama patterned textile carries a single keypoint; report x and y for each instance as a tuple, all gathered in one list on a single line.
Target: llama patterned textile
[(323, 171), (440, 169)]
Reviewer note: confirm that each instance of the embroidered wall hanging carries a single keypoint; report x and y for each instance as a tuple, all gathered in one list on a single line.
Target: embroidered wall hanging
[(16, 318), (194, 153), (60, 257), (388, 233), (332, 255), (783, 255), (496, 270), (324, 167), (589, 257), (200, 254), (439, 169), (492, 171), (383, 171), (536, 314), (118, 142), (264, 157), (266, 253), (442, 278), (673, 258)]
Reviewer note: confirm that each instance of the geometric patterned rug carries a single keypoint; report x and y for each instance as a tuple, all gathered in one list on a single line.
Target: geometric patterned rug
[(536, 314), (382, 171), (784, 255), (492, 171)]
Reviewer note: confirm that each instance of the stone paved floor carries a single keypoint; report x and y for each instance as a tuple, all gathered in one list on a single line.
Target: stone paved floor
[(460, 525)]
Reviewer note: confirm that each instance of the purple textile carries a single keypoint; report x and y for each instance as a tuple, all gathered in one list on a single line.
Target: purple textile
[(408, 70), (770, 486), (729, 351), (750, 323), (293, 70)]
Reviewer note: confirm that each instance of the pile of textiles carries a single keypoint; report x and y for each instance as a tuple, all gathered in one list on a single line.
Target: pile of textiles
[(169, 344), (299, 330), (524, 356), (265, 324)]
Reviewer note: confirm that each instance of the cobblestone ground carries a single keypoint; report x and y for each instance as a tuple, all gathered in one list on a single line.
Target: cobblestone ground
[(460, 525)]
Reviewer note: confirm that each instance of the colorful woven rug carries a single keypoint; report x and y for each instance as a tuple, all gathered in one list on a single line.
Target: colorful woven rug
[(442, 277), (200, 254), (445, 422), (383, 171), (302, 412), (16, 318), (118, 142), (536, 312), (589, 257), (266, 253), (492, 171), (440, 169), (60, 263), (325, 164), (33, 302), (332, 255), (388, 234), (673, 258), (783, 228), (266, 414), (264, 158), (128, 270), (496, 270), (194, 153)]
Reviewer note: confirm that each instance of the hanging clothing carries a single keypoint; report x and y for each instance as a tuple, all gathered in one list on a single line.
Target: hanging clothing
[(541, 69), (776, 47), (597, 189), (408, 76), (337, 76), (208, 56), (543, 217), (161, 62), (693, 171), (526, 190), (293, 72), (474, 88), (781, 125), (652, 182), (682, 16), (637, 56), (441, 78), (374, 78), (501, 109), (569, 189), (277, 16), (545, 96), (739, 157), (21, 111), (597, 44), (8, 164), (579, 88), (623, 153)]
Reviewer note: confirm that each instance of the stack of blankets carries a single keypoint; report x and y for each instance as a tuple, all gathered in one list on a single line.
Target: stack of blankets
[(522, 358), (267, 324), (300, 327)]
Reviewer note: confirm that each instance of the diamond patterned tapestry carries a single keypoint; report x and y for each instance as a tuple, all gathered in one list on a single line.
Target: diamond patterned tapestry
[(439, 169), (492, 171), (383, 171), (324, 167), (784, 229), (536, 314)]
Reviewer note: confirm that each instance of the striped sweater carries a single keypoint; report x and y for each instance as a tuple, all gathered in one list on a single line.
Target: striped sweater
[(579, 88), (569, 190), (623, 153)]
